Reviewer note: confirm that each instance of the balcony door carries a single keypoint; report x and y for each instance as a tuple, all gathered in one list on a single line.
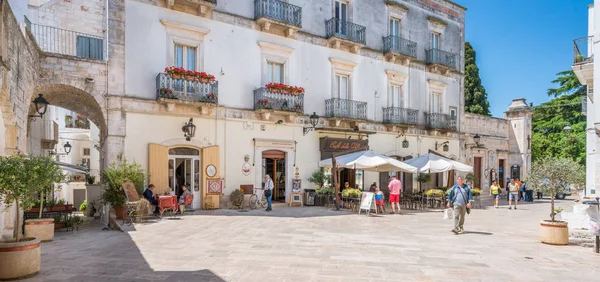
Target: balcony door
[(275, 72), (185, 57), (396, 99), (394, 33), (435, 103), (341, 90), (341, 17)]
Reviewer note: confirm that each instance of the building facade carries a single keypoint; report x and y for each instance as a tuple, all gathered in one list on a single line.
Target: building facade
[(585, 70), (383, 75)]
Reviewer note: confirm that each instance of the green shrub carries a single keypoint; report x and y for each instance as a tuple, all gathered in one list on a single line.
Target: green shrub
[(83, 206), (116, 175)]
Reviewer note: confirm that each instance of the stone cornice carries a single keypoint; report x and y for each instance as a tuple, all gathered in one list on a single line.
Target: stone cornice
[(274, 48), (175, 26), (396, 5)]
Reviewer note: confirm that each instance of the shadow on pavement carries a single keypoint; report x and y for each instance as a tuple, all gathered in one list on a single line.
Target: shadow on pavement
[(91, 254), (478, 233)]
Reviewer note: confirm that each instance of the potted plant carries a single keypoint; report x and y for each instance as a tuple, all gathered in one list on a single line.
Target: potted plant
[(190, 75), (21, 256), (263, 104), (552, 176), (237, 198), (175, 72), (205, 77), (579, 58), (83, 206), (58, 222), (91, 179), (166, 93), (423, 178), (114, 177)]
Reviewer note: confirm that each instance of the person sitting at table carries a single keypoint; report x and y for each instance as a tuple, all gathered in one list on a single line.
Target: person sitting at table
[(151, 197), (373, 187), (184, 194)]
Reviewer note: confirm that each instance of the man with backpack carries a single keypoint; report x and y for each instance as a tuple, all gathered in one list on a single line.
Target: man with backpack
[(460, 198)]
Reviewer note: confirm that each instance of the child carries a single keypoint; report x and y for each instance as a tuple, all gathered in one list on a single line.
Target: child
[(379, 199)]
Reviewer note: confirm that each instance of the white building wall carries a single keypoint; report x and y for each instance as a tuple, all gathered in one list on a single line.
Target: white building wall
[(593, 110)]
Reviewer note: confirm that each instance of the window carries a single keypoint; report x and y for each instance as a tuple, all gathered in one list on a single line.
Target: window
[(453, 114), (275, 72), (396, 98), (86, 151), (89, 48), (394, 27), (341, 16), (185, 57), (435, 40), (341, 86), (85, 162), (435, 103)]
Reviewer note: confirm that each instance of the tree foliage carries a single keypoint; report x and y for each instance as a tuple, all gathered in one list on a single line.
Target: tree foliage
[(550, 118), (116, 175), (475, 95), (319, 177)]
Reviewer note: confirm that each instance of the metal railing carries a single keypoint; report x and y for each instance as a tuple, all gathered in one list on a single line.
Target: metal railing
[(67, 42), (437, 56), (396, 115), (186, 90), (583, 51), (399, 45), (440, 121), (279, 11), (344, 108), (346, 30), (265, 100)]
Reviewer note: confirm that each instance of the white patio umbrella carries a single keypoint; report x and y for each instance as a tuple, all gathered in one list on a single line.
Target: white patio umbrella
[(369, 161), (432, 163)]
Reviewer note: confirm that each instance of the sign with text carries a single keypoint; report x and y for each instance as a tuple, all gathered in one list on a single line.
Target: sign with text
[(366, 202), (340, 145)]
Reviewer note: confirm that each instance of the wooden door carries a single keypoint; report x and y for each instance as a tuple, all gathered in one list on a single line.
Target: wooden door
[(477, 169), (210, 156), (158, 167)]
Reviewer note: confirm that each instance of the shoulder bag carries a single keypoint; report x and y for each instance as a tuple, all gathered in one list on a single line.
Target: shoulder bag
[(466, 200)]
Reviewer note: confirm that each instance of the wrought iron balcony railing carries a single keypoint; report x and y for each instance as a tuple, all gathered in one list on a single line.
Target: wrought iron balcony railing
[(343, 108), (399, 45), (265, 100), (396, 115), (186, 90), (583, 52), (279, 11), (437, 56), (440, 121), (346, 30), (67, 42)]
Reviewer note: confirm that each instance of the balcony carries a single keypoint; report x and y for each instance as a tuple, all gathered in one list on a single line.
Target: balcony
[(171, 91), (345, 109), (345, 35), (583, 60), (442, 122), (49, 134), (278, 17), (440, 61), (398, 49), (203, 7), (267, 103), (59, 41), (400, 116)]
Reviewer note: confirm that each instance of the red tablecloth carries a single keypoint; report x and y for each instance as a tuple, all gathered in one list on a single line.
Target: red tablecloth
[(167, 202)]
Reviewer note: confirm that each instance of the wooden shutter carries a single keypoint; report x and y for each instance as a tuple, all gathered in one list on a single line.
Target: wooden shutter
[(158, 166), (210, 156)]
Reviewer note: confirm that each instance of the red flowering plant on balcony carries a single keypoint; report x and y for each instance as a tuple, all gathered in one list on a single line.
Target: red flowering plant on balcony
[(212, 97), (175, 72), (205, 77), (284, 88), (166, 93), (264, 103)]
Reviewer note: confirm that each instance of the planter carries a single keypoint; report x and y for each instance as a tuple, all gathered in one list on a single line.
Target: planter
[(175, 76), (56, 208), (41, 228), (120, 211), (554, 233), (19, 259), (204, 80), (58, 225), (69, 207), (33, 210), (190, 78)]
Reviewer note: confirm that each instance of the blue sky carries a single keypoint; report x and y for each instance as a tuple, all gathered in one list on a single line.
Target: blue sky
[(522, 44)]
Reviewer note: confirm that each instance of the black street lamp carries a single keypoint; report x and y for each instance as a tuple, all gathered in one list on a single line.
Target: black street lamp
[(405, 143), (189, 130), (444, 146), (476, 139), (314, 120), (67, 147), (41, 106)]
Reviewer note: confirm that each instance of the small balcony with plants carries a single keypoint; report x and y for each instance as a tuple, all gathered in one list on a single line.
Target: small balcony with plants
[(583, 59), (440, 61), (181, 86), (399, 50), (279, 98), (441, 122), (79, 122), (400, 116), (278, 17), (345, 109), (345, 35)]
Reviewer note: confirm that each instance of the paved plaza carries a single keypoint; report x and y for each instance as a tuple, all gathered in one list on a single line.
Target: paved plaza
[(315, 244)]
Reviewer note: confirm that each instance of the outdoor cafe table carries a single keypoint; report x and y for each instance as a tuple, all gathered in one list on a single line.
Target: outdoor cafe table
[(167, 203)]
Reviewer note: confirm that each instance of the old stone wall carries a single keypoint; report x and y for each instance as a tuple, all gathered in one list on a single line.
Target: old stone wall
[(85, 16)]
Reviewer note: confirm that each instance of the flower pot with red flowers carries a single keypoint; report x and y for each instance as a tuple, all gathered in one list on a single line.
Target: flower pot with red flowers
[(166, 93), (264, 104), (175, 72), (205, 77), (190, 75)]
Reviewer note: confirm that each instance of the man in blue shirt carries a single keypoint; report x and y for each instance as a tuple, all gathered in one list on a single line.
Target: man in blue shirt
[(460, 198), (151, 197)]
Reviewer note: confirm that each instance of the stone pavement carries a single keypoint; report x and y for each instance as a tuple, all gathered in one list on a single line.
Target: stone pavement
[(315, 244)]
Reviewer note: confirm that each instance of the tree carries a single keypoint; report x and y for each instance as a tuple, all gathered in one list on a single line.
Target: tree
[(44, 172), (552, 176), (550, 118), (319, 177), (475, 96)]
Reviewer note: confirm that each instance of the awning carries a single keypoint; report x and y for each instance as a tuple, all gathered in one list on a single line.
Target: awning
[(369, 161), (70, 167), (433, 163)]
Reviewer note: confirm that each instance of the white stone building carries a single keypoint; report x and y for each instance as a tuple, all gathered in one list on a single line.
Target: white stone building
[(585, 69)]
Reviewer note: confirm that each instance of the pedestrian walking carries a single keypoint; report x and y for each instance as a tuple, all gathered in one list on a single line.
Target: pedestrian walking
[(395, 187), (269, 191), (460, 198), (513, 188), (495, 191), (507, 189)]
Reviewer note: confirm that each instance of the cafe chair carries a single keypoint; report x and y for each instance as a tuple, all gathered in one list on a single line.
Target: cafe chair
[(187, 203)]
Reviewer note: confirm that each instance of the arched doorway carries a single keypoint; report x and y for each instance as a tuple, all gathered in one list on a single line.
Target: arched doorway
[(274, 164), (184, 169)]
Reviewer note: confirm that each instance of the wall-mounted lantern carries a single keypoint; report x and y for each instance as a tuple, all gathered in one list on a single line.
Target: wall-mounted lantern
[(314, 120), (189, 130), (41, 106)]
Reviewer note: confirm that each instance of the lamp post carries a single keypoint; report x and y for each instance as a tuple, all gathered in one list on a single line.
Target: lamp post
[(67, 147), (444, 146), (189, 130), (41, 106), (477, 140), (314, 120), (405, 143)]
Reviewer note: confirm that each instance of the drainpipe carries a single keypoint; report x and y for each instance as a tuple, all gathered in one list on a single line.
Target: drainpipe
[(103, 138)]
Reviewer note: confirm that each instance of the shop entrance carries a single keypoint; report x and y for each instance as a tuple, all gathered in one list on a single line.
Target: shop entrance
[(274, 163), (184, 169)]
